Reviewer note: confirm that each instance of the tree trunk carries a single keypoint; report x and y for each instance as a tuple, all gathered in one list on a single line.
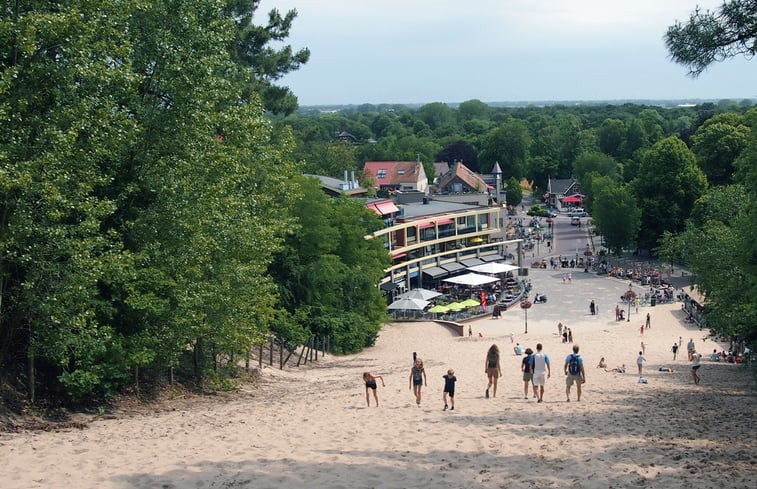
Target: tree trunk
[(30, 375)]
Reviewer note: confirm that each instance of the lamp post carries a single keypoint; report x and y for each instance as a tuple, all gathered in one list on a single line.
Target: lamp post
[(526, 304), (628, 297)]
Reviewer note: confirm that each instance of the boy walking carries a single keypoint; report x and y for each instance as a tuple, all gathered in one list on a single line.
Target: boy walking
[(449, 388), (574, 371)]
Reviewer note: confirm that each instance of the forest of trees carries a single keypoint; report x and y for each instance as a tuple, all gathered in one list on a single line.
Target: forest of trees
[(154, 219)]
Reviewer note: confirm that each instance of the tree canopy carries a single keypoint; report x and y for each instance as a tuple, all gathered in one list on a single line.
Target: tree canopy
[(709, 37)]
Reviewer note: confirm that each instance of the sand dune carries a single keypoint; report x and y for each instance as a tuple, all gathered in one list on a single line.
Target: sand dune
[(310, 427)]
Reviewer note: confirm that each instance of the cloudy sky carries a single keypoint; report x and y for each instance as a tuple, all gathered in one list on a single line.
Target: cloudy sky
[(421, 51)]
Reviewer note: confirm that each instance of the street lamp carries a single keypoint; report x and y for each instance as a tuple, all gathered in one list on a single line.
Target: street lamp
[(526, 304), (629, 295)]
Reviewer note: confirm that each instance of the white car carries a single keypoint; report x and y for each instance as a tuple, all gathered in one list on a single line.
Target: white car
[(577, 212)]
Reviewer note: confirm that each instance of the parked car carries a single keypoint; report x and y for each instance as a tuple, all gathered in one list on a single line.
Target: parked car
[(577, 212), (552, 213), (575, 221)]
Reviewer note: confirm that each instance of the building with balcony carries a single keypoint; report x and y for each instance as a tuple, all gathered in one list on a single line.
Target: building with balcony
[(432, 240)]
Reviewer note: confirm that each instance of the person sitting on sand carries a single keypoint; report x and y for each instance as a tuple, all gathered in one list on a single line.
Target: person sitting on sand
[(517, 349), (602, 363), (370, 383), (620, 370)]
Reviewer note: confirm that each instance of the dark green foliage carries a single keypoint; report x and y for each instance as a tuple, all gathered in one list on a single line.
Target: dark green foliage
[(327, 272), (709, 37)]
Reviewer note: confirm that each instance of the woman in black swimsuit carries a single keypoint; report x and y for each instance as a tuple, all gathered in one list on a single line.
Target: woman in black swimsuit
[(370, 383)]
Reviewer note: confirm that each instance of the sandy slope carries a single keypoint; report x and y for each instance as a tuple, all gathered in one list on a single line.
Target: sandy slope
[(310, 427)]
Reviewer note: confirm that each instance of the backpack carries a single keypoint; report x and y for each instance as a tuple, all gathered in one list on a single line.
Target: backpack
[(574, 366)]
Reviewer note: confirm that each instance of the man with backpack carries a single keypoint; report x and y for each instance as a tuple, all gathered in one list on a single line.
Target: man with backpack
[(574, 370)]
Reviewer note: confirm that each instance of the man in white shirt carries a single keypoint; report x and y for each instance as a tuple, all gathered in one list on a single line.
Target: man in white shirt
[(542, 370)]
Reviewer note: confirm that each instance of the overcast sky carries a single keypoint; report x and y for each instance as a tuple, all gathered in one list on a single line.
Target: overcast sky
[(421, 51)]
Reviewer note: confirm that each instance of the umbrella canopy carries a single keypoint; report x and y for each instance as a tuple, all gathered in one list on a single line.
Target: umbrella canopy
[(470, 303), (439, 309), (455, 306), (422, 294), (493, 267), (408, 305), (471, 279), (573, 199)]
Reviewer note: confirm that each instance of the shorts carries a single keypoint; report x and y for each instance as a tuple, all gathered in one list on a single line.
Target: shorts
[(371, 384), (695, 367), (570, 379), (450, 392), (418, 382), (527, 376), (492, 372), (540, 379)]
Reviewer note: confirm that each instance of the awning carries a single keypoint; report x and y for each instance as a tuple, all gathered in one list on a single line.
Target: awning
[(387, 286), (426, 225), (383, 208), (435, 272), (471, 279), (453, 267), (488, 258), (442, 222), (471, 262), (399, 255), (573, 199)]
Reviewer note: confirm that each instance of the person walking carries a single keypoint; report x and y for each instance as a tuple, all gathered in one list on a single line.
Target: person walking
[(648, 324), (574, 373), (690, 347), (640, 362), (674, 349), (592, 308), (417, 379), (643, 348), (542, 370), (449, 389), (493, 370), (696, 362), (570, 335), (370, 383), (527, 367)]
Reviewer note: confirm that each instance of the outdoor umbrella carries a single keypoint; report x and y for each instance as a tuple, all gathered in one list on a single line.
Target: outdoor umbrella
[(408, 305), (470, 303), (422, 294), (471, 279), (493, 267), (439, 309), (455, 306)]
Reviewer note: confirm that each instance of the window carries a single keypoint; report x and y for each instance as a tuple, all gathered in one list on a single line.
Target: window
[(381, 173), (400, 172)]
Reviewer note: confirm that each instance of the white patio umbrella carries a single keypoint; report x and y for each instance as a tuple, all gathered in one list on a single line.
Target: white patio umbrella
[(493, 267), (471, 279), (422, 294), (408, 305)]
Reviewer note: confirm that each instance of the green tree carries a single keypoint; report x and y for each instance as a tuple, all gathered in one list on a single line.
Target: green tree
[(708, 37), (717, 143), (508, 144), (328, 271), (611, 136), (514, 192), (251, 48), (615, 214), (667, 185), (717, 246)]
